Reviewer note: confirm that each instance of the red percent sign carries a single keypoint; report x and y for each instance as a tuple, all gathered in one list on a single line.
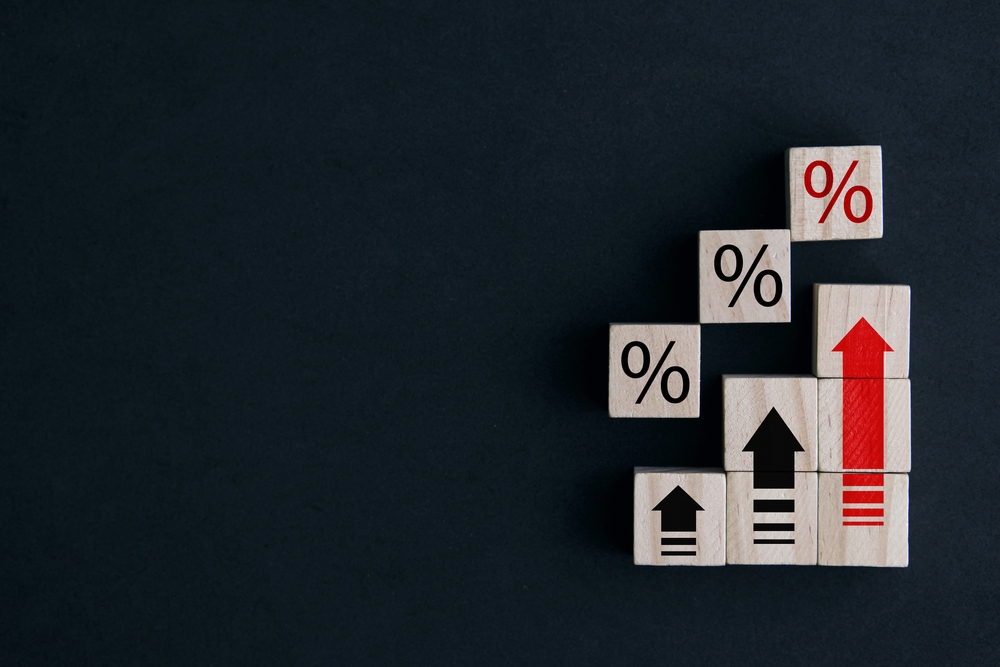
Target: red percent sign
[(828, 185)]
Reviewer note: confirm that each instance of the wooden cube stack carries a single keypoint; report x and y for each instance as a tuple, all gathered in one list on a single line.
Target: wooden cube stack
[(770, 457), (815, 467), (862, 343)]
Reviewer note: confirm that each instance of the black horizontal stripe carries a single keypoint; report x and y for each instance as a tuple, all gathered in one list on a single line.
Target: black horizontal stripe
[(774, 526), (774, 506)]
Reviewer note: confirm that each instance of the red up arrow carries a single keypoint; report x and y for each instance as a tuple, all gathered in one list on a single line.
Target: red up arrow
[(864, 397), (864, 352)]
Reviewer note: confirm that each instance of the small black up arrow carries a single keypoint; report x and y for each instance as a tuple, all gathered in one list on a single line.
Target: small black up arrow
[(678, 512), (773, 446)]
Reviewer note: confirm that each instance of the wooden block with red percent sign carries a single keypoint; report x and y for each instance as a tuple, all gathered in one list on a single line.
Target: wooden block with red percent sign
[(861, 331), (834, 192)]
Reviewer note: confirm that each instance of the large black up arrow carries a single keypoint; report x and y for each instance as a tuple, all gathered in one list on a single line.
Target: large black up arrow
[(773, 446), (678, 512)]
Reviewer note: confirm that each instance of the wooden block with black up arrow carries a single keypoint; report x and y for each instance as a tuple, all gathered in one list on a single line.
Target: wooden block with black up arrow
[(679, 516), (772, 510)]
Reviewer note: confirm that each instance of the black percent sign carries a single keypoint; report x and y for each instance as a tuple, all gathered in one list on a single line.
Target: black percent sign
[(664, 389), (739, 270)]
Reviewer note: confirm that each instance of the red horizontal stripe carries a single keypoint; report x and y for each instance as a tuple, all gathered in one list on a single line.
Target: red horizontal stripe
[(862, 480), (863, 523), (863, 497), (863, 511)]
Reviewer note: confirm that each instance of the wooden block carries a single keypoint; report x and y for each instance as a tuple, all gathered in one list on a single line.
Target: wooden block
[(850, 321), (876, 427), (744, 276), (770, 526), (679, 516), (864, 519), (747, 402), (834, 192), (654, 370)]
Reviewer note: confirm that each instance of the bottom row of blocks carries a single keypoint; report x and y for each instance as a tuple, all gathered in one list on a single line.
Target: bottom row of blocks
[(704, 516)]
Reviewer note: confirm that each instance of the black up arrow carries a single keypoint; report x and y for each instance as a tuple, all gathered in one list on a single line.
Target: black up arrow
[(678, 512), (773, 446)]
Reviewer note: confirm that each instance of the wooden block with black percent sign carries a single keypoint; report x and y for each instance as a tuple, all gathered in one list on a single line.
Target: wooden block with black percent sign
[(769, 423), (834, 192), (679, 516), (771, 523), (861, 331), (744, 276), (864, 425), (864, 519), (654, 370)]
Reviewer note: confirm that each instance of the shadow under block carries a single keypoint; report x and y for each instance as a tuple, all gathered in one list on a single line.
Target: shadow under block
[(874, 433), (747, 402), (861, 331), (770, 526), (744, 276), (679, 516), (814, 192), (654, 370), (864, 519)]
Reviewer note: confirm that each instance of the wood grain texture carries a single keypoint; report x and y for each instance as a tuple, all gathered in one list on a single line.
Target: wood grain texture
[(895, 425), (746, 401), (877, 534), (762, 522), (685, 354), (716, 295), (706, 487), (837, 309), (804, 211)]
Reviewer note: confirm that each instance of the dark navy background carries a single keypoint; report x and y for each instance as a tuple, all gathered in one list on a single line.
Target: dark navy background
[(304, 323)]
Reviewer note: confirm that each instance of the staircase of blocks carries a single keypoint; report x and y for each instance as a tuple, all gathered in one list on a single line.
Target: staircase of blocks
[(815, 467)]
